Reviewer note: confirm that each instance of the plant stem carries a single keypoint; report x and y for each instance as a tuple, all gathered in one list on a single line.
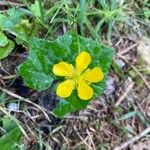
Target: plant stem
[(41, 9)]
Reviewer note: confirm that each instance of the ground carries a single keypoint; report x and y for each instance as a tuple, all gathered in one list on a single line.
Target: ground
[(119, 119)]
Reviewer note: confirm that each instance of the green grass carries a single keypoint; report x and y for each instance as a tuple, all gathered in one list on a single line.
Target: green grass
[(78, 16)]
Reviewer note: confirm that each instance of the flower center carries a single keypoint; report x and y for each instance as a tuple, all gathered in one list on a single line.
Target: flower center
[(76, 76)]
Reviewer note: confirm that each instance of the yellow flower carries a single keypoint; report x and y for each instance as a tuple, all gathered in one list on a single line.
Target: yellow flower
[(79, 77)]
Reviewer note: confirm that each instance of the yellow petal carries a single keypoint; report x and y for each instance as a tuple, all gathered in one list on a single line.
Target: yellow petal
[(82, 61), (94, 75), (65, 88), (63, 69), (85, 92)]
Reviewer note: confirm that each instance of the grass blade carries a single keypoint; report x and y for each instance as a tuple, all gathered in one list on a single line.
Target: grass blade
[(82, 14), (109, 33), (113, 5)]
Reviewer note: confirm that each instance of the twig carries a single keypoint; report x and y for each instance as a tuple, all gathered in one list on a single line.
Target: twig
[(41, 10), (26, 100), (83, 141), (132, 140), (7, 77), (136, 70), (1, 67), (11, 4), (127, 90), (10, 116), (127, 49), (91, 140)]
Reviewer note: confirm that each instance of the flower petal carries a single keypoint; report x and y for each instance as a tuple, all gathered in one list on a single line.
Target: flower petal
[(85, 92), (82, 61), (65, 88), (63, 69), (94, 75)]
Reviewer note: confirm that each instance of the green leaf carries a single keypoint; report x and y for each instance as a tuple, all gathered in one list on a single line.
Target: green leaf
[(128, 115), (22, 31), (35, 8), (113, 5), (146, 12), (104, 4), (14, 16), (5, 22), (68, 105), (63, 108), (15, 23), (118, 70), (5, 51), (81, 14), (3, 40), (37, 70), (8, 124), (9, 141)]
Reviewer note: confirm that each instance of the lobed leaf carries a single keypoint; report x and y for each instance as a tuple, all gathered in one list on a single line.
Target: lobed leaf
[(3, 40), (37, 70), (5, 51), (10, 140)]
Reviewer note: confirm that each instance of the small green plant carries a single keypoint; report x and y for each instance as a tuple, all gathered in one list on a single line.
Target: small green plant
[(11, 134), (108, 12), (48, 59), (6, 46), (8, 124), (13, 22), (10, 140), (146, 10)]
